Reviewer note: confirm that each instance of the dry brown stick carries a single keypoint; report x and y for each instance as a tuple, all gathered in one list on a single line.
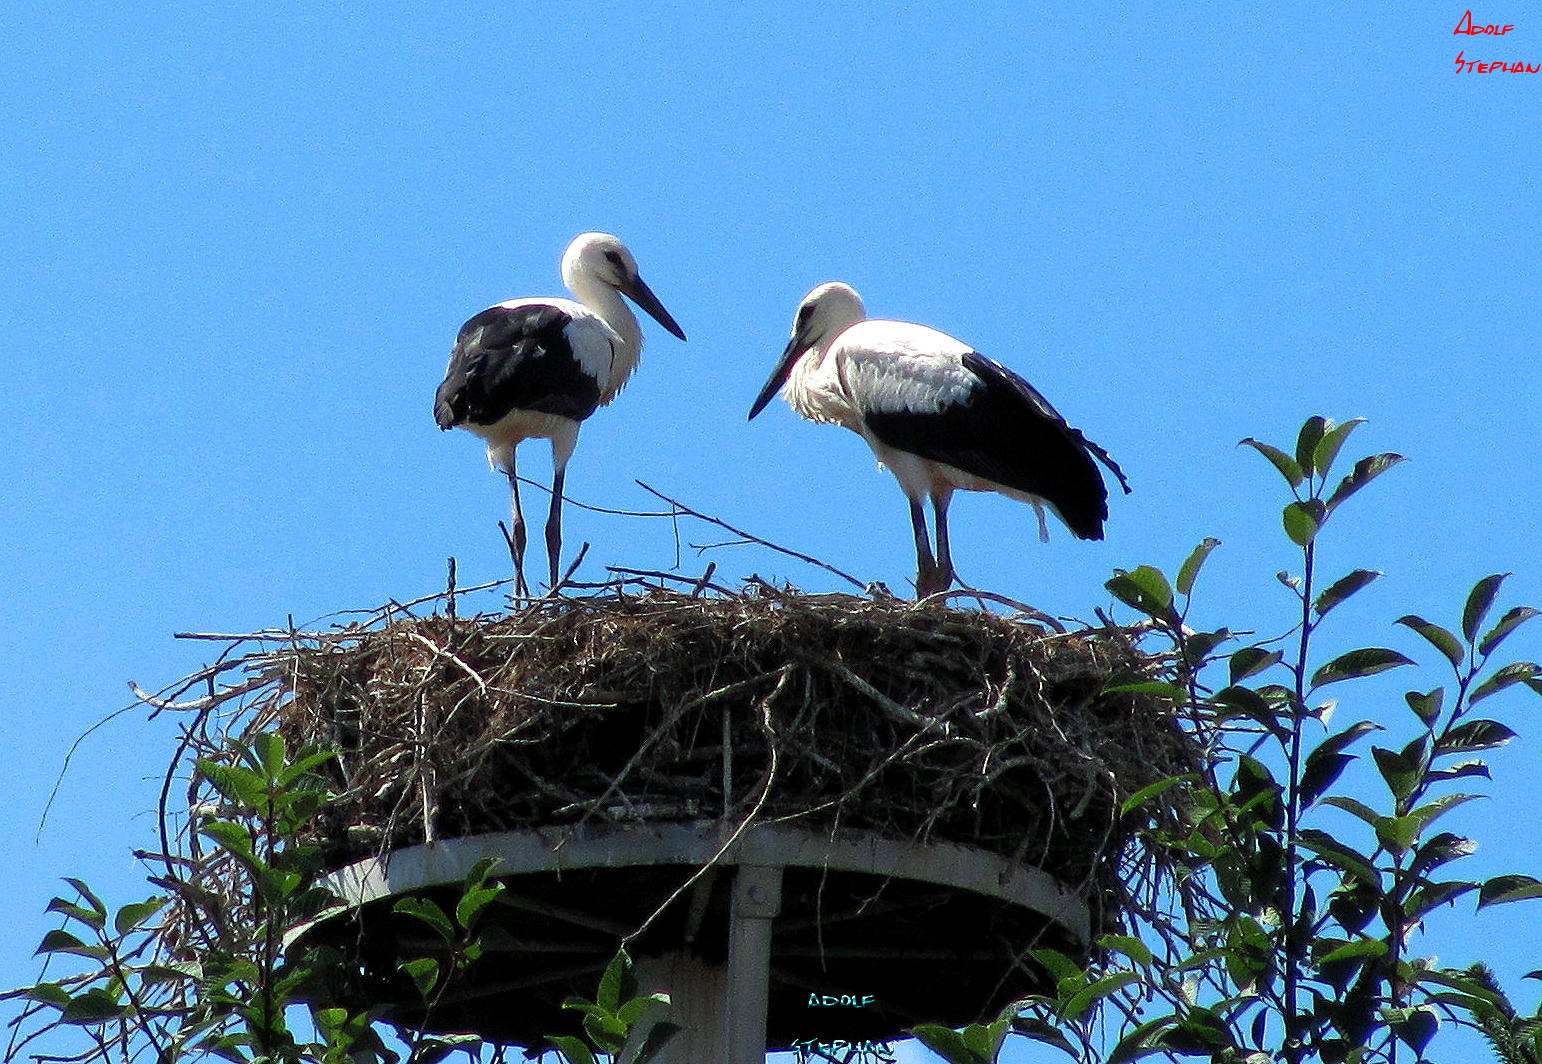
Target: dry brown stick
[(440, 652), (697, 583), (684, 509), (760, 801)]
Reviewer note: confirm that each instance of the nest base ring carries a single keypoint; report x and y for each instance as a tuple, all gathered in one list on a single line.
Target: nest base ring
[(772, 938)]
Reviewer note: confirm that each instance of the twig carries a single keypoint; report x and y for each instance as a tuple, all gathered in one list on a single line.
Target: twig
[(697, 583), (760, 801), (440, 652), (583, 550), (750, 537)]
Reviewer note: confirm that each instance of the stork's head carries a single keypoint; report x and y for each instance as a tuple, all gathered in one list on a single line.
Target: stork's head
[(824, 314), (602, 258)]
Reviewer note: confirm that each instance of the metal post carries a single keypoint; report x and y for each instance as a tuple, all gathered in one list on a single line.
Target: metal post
[(757, 900)]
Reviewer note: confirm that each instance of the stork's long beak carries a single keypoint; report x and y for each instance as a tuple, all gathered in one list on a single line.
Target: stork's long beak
[(795, 348), (643, 296)]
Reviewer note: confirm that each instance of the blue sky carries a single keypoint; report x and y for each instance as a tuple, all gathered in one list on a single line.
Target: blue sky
[(240, 238)]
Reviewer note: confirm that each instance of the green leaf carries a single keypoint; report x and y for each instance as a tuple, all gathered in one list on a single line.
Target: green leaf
[(1200, 1033), (652, 1044), (605, 1030), (1096, 991), (1338, 855), (638, 1007), (1434, 895), (1397, 833), (1145, 589), (1365, 471), (1362, 947), (1354, 903), (1250, 661), (473, 902), (1350, 735), (1417, 1029), (424, 973), (1439, 850), (1151, 688), (88, 896), (572, 1048), (304, 766), (613, 984), (1479, 600), (1040, 1031), (272, 753), (947, 1044), (1503, 889), (1508, 676), (1432, 811), (1321, 772), (131, 916), (1289, 468), (1254, 786), (1311, 434), (60, 941), (1327, 761), (235, 784), (94, 1006), (1302, 520), (1189, 570), (230, 837), (1480, 734), (1342, 588), (431, 1049), (1507, 624), (1400, 773), (1130, 946), (985, 1039), (1152, 790), (1426, 706), (1355, 807), (1264, 706), (1438, 637), (88, 916), (1327, 449), (1061, 968), (52, 994), (1367, 661), (427, 912), (1141, 1042)]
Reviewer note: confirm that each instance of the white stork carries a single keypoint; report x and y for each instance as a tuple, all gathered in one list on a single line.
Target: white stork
[(536, 368), (941, 416)]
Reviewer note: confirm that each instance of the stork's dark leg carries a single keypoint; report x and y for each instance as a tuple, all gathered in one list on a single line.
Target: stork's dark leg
[(927, 572), (517, 533), (944, 558), (554, 525)]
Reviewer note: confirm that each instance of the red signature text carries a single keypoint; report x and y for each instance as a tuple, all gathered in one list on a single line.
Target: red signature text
[(1466, 26), (1467, 66)]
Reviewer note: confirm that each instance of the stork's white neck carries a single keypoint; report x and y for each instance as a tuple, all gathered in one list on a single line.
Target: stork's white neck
[(814, 389), (608, 305)]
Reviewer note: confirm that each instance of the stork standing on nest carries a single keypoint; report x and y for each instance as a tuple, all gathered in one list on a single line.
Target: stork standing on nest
[(536, 368), (941, 416)]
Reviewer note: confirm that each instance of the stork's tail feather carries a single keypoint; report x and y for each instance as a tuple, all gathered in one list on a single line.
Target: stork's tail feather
[(1102, 456)]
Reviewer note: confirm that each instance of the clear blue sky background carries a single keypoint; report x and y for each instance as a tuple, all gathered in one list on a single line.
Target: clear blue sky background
[(238, 241)]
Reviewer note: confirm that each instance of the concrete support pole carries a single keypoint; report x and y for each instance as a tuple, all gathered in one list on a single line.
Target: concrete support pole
[(696, 991), (756, 902)]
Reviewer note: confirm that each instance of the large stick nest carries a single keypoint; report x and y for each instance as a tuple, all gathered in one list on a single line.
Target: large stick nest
[(916, 722)]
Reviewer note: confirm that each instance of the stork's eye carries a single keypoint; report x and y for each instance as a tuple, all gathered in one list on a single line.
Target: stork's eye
[(614, 258)]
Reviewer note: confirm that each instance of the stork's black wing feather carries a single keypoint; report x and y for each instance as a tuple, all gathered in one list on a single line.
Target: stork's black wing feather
[(1005, 431), (514, 358)]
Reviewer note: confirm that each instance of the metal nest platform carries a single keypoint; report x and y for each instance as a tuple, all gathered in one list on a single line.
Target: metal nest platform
[(884, 803)]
